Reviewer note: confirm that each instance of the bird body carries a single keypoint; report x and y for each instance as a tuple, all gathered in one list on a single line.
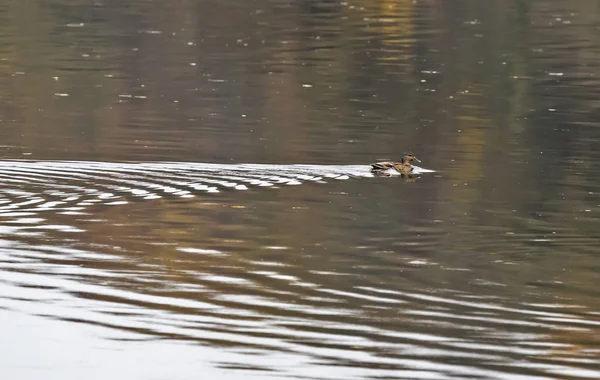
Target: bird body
[(402, 167)]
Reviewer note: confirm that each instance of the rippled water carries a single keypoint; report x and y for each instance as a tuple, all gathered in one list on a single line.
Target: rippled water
[(186, 190)]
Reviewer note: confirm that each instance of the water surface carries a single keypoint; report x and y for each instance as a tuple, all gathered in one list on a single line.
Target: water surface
[(185, 190)]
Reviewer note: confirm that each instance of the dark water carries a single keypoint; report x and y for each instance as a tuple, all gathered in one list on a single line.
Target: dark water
[(133, 245)]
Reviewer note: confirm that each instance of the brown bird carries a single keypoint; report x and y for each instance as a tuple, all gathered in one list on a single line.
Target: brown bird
[(402, 167)]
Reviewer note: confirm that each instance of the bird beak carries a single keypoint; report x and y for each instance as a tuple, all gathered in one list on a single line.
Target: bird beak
[(416, 159)]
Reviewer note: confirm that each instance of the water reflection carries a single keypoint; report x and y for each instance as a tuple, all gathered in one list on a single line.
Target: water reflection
[(485, 268), (238, 271)]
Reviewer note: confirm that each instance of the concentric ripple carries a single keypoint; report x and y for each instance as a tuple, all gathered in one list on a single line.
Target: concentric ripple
[(272, 296)]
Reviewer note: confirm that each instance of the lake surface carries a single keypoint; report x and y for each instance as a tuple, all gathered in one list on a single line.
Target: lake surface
[(186, 191)]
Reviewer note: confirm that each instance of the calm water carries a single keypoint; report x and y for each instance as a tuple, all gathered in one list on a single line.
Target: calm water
[(133, 245)]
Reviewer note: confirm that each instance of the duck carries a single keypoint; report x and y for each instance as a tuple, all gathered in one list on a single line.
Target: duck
[(403, 167)]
